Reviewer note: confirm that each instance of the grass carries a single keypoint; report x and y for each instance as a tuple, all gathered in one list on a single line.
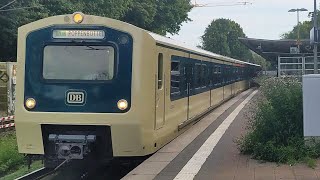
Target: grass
[(276, 125), (10, 159), (310, 162), (22, 170), (13, 164)]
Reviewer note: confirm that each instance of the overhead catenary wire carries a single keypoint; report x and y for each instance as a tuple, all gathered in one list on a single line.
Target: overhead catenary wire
[(8, 4), (20, 8), (223, 5), (195, 4)]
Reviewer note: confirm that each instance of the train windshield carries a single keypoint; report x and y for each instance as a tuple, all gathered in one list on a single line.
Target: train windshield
[(78, 62)]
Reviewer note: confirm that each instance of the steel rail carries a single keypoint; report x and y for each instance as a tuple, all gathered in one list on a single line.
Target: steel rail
[(43, 172), (37, 174)]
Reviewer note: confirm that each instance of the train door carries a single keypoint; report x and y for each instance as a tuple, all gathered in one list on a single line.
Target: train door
[(189, 85), (160, 92)]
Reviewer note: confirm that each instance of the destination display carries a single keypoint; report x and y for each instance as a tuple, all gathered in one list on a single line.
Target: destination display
[(78, 34)]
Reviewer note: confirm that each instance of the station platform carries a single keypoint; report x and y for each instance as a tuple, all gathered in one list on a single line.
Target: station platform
[(208, 151)]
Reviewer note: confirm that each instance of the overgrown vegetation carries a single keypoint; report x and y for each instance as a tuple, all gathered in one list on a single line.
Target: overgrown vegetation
[(23, 170), (276, 125), (13, 164), (10, 159)]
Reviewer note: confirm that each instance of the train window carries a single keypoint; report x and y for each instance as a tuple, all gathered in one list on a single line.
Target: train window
[(175, 66), (175, 77), (160, 70), (215, 75), (210, 76), (230, 73), (235, 73), (198, 81), (78, 62), (219, 78), (204, 74), (225, 74), (242, 74)]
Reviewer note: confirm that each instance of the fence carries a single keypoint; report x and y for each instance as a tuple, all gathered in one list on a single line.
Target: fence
[(7, 87), (4, 78), (296, 66), (6, 122)]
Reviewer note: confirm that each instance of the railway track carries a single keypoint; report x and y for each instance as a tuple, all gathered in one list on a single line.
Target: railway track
[(37, 174), (76, 170)]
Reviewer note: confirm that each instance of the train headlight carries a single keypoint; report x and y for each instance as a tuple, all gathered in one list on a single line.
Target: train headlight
[(122, 104), (30, 103), (78, 17)]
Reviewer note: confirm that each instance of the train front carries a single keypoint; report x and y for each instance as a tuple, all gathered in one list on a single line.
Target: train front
[(74, 84)]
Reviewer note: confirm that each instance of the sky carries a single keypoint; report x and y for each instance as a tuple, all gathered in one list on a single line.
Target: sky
[(263, 19)]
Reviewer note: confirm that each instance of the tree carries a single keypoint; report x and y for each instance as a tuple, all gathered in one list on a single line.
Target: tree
[(160, 16), (305, 28), (170, 16), (257, 59), (221, 37), (9, 22)]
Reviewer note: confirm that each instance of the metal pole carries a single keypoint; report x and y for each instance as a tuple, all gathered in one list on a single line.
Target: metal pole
[(315, 49), (279, 66), (298, 24)]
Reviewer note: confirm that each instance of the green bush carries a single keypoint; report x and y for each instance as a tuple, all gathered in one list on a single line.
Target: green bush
[(276, 126), (10, 159)]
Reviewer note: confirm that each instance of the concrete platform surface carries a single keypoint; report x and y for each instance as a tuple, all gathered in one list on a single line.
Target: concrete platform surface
[(208, 151)]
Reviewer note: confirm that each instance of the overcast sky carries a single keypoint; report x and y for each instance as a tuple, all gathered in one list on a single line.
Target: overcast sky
[(264, 19)]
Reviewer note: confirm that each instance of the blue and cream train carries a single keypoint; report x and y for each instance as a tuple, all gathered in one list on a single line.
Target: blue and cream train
[(90, 86)]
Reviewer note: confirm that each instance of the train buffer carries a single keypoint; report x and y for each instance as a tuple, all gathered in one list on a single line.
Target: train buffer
[(208, 151)]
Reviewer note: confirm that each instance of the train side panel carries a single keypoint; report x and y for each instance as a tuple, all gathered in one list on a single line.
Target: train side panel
[(216, 96), (175, 111)]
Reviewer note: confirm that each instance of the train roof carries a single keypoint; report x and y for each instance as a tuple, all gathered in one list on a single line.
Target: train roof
[(180, 45), (158, 38)]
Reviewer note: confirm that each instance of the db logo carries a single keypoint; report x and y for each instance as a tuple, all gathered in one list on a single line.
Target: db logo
[(75, 98)]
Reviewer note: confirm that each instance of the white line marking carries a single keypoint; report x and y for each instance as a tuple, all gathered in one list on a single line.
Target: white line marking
[(191, 169)]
